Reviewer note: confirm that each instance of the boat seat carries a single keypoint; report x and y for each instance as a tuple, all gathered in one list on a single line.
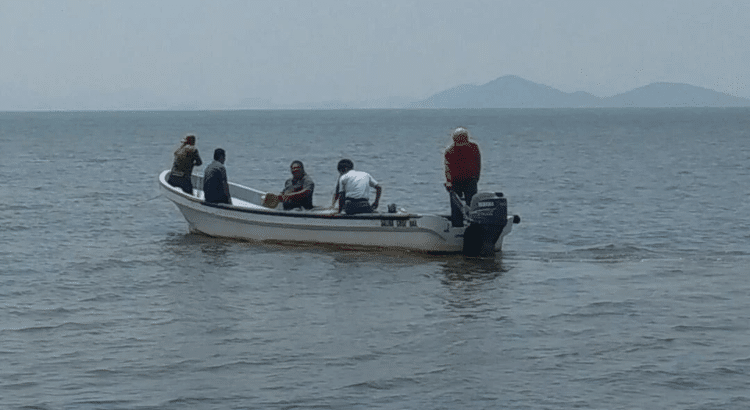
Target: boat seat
[(318, 210), (244, 204)]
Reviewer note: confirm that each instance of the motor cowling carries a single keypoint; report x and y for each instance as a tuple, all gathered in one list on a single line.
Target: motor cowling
[(487, 216)]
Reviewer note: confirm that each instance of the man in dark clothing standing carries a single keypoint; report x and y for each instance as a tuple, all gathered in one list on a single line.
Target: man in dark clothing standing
[(463, 163), (215, 184)]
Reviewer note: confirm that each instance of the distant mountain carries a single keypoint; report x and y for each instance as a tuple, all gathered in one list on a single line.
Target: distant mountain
[(673, 95), (515, 92), (506, 92)]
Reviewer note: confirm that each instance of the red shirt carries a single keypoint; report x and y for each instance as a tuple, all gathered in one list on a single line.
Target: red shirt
[(462, 162)]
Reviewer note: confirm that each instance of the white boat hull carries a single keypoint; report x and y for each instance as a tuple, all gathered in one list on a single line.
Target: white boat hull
[(246, 219)]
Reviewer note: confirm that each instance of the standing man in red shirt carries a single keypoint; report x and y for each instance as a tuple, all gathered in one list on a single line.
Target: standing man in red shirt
[(463, 162)]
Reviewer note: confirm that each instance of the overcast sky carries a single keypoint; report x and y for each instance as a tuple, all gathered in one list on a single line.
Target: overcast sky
[(288, 52)]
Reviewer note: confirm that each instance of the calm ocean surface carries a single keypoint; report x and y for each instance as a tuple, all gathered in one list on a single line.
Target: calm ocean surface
[(626, 285)]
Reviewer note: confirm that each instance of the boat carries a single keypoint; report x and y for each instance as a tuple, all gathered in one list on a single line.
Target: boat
[(487, 223)]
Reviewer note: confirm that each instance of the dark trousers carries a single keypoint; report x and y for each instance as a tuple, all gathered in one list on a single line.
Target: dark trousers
[(181, 182), (305, 203), (223, 200), (357, 206), (467, 189)]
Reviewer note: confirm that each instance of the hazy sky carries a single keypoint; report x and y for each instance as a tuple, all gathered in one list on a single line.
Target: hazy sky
[(287, 52)]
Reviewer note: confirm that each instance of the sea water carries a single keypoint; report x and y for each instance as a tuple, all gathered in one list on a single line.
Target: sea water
[(624, 287)]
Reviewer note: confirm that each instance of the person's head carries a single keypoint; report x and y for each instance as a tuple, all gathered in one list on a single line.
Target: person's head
[(189, 140), (460, 134), (345, 165), (220, 155), (298, 170)]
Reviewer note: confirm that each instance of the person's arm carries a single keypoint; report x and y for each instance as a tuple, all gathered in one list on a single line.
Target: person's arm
[(226, 184), (293, 196), (307, 189), (287, 184), (378, 191), (479, 160), (448, 178), (197, 159), (341, 196), (337, 196)]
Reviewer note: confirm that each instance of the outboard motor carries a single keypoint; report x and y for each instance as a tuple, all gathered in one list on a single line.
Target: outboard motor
[(487, 215)]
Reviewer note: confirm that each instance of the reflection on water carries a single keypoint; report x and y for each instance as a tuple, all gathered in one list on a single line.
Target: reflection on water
[(382, 256), (215, 253), (212, 251), (454, 267), (459, 268), (471, 284), (177, 241)]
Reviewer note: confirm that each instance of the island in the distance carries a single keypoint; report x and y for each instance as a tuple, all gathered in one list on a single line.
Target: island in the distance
[(515, 92)]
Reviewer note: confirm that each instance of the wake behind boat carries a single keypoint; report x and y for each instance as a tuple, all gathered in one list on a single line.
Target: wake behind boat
[(246, 218)]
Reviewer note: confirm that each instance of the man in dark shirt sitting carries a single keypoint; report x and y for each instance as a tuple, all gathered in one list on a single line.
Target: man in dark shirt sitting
[(298, 190), (215, 184)]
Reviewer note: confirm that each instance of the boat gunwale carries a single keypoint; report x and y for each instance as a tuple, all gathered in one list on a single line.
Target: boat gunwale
[(298, 214), (279, 213)]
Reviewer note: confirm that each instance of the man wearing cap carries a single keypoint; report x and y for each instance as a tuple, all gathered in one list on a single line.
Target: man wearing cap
[(182, 168), (353, 190), (463, 162)]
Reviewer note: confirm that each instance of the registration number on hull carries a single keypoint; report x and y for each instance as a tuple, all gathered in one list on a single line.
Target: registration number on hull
[(399, 223)]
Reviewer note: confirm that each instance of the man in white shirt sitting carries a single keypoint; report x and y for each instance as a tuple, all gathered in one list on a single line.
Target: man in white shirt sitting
[(353, 190)]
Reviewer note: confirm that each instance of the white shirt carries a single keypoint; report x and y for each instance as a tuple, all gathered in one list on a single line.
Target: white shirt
[(356, 184)]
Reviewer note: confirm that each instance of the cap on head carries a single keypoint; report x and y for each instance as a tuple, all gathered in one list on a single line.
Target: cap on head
[(460, 132), (190, 140)]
